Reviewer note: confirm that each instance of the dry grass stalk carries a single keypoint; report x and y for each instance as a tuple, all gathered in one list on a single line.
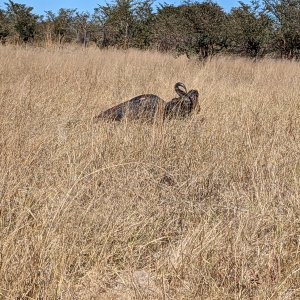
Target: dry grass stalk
[(185, 210)]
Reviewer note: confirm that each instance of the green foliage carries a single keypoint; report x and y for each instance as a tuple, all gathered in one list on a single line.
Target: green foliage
[(193, 28), (82, 27), (125, 23), (208, 21), (118, 22), (4, 28), (173, 31), (250, 30), (60, 25), (144, 22), (21, 20), (286, 18)]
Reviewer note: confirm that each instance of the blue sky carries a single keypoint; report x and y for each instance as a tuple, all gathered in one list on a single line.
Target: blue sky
[(89, 5)]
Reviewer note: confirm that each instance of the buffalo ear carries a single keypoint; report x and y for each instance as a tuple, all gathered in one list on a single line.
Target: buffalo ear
[(180, 89)]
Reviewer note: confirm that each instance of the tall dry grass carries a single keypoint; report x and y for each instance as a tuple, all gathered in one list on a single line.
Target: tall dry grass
[(190, 210)]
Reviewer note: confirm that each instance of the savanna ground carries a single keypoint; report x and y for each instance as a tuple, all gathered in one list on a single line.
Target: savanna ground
[(192, 209)]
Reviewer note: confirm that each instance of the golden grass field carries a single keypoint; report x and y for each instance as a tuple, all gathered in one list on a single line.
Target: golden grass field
[(192, 209)]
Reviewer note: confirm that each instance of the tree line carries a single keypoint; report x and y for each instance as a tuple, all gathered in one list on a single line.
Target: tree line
[(203, 29)]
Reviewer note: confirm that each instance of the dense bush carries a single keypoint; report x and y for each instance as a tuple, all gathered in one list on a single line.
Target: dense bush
[(271, 27)]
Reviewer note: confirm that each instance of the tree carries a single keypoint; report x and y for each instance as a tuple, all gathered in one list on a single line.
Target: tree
[(4, 28), (250, 30), (21, 20), (286, 17), (143, 26), (82, 27), (173, 32), (194, 27), (60, 25), (117, 22), (125, 23), (209, 26)]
